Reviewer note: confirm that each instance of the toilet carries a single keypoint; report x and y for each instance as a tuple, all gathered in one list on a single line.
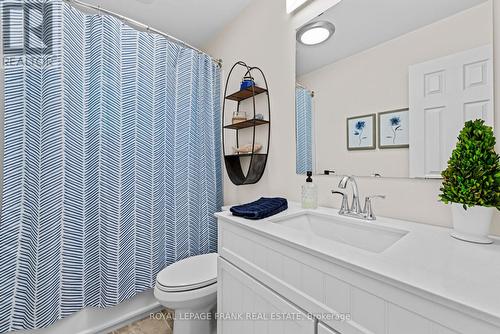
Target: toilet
[(189, 287)]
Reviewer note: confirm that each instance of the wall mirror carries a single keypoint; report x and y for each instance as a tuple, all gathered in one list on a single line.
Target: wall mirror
[(383, 87)]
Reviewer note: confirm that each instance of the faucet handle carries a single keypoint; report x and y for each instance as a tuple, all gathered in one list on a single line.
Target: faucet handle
[(344, 208), (368, 210)]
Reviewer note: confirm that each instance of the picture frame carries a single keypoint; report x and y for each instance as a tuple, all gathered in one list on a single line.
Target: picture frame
[(393, 129), (361, 132)]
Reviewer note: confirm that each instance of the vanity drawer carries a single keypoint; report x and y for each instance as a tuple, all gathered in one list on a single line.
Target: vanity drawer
[(322, 329), (261, 310), (347, 299)]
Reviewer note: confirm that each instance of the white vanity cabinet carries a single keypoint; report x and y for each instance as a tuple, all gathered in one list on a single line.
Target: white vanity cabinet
[(248, 307), (322, 329), (260, 273)]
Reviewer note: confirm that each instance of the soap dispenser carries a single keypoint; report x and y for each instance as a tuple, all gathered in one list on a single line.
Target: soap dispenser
[(309, 193)]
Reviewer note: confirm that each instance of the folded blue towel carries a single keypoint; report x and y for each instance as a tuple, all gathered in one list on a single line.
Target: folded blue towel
[(261, 208)]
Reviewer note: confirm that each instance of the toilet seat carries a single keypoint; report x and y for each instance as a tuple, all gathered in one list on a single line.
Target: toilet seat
[(192, 273)]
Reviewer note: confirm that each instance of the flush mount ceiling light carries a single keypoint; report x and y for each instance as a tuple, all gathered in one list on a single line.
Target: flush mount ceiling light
[(315, 33)]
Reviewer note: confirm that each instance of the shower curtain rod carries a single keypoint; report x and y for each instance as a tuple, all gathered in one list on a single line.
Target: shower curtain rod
[(99, 9), (307, 89)]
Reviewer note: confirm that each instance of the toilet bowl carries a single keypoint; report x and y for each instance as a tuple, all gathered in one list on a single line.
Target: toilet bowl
[(189, 287)]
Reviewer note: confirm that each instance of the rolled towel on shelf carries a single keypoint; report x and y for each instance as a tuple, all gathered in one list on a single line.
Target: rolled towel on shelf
[(261, 208), (247, 149)]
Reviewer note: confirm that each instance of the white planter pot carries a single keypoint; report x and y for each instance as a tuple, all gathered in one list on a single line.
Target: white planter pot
[(473, 224)]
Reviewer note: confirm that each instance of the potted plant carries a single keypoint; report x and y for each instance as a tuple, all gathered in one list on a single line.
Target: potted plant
[(471, 183)]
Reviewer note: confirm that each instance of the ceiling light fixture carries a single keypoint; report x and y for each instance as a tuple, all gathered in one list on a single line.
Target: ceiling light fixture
[(315, 33)]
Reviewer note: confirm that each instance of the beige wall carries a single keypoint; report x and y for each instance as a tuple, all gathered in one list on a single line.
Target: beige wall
[(376, 80), (263, 35)]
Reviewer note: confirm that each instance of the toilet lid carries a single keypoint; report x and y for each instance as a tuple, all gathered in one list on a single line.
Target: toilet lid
[(191, 273)]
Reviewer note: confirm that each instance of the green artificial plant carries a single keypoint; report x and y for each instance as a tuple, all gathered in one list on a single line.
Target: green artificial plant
[(473, 174)]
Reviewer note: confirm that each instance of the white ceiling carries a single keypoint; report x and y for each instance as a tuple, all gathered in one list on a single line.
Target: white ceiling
[(192, 21), (362, 24)]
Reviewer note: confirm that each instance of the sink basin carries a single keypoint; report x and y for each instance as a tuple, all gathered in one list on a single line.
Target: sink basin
[(360, 234)]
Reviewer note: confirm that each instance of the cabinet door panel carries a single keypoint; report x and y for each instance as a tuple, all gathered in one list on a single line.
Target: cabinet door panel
[(322, 329), (246, 306), (400, 320)]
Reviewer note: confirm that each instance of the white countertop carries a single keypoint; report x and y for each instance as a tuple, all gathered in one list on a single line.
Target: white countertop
[(427, 259)]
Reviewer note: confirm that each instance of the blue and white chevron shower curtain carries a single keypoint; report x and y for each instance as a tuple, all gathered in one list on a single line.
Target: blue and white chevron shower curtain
[(303, 129), (111, 171)]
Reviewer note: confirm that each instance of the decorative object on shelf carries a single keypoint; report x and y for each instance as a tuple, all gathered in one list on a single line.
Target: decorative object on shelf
[(361, 132), (238, 117), (245, 129), (472, 183), (246, 149), (393, 129), (247, 82)]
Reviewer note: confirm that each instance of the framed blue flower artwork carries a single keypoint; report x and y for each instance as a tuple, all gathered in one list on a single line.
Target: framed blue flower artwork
[(394, 129), (361, 133)]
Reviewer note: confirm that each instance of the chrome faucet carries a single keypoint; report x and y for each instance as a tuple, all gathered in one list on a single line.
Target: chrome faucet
[(355, 209), (368, 210), (344, 208), (355, 206)]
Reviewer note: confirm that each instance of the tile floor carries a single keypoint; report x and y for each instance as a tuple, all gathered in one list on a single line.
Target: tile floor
[(157, 323)]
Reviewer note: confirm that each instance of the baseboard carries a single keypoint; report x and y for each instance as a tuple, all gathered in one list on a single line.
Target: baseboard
[(124, 320), (103, 321)]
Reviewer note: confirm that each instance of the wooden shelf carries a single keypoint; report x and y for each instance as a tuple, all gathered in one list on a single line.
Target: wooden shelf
[(246, 124), (246, 93), (246, 168)]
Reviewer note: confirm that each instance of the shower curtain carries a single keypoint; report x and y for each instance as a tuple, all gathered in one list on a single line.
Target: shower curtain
[(112, 168), (303, 124)]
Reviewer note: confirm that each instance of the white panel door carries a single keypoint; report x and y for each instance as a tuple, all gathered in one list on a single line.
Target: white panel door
[(444, 94), (245, 306)]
